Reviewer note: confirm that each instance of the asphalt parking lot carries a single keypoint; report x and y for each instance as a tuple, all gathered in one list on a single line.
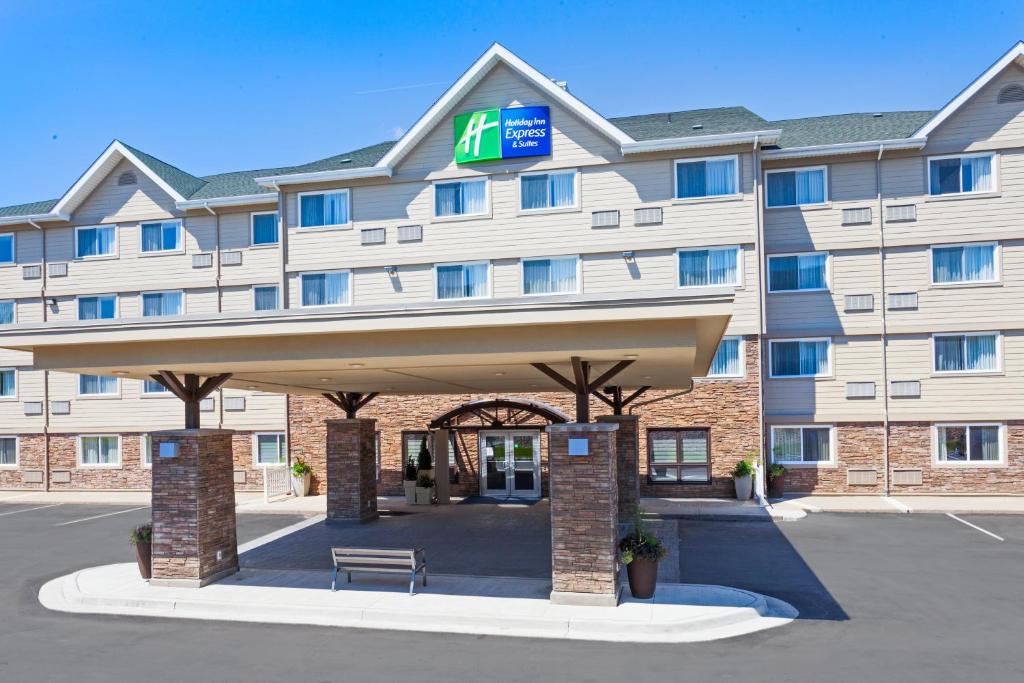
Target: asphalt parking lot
[(900, 597)]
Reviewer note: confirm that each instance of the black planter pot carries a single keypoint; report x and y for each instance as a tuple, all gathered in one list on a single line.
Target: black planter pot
[(643, 577)]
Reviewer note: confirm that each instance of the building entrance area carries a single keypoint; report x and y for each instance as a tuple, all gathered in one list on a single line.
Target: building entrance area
[(510, 463)]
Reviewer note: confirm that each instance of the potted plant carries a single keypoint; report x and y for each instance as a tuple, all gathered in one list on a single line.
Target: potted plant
[(142, 539), (300, 478), (641, 552), (424, 489), (776, 480), (743, 479), (409, 482)]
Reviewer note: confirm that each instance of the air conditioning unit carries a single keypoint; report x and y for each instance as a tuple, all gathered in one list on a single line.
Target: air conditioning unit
[(231, 258), (204, 260), (649, 216), (860, 390), (604, 219), (859, 302), (57, 269), (910, 388), (60, 407), (902, 212), (861, 477), (856, 216), (373, 236), (31, 272), (903, 301), (410, 233), (234, 403)]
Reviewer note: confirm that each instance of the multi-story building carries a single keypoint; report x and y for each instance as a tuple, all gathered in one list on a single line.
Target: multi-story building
[(874, 262)]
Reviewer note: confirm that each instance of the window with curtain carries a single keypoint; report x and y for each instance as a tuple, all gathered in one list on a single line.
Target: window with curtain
[(709, 267), (968, 443), (550, 275), (961, 174), (800, 358), (796, 188), (8, 383), (146, 450), (966, 352), (100, 450), (158, 237), (323, 209), (98, 241), (964, 263), (547, 190), (161, 303), (271, 449), (797, 272), (706, 177), (6, 312), (97, 307), (97, 385), (462, 198), (801, 445), (678, 456), (462, 281), (264, 228), (325, 289), (7, 248), (264, 298), (727, 361), (8, 450), (151, 387)]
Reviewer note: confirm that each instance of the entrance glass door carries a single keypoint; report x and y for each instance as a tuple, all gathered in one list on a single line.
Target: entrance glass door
[(510, 464)]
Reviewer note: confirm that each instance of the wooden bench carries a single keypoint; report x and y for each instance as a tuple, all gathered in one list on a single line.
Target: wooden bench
[(350, 560)]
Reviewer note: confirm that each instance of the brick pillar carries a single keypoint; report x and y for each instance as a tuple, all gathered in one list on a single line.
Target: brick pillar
[(194, 539), (584, 514), (351, 471), (627, 444)]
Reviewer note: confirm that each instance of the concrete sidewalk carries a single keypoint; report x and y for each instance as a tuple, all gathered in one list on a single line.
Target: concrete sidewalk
[(981, 505), (719, 509), (245, 501)]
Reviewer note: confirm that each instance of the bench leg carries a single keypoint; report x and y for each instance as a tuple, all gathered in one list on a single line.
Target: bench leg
[(412, 583), (334, 580)]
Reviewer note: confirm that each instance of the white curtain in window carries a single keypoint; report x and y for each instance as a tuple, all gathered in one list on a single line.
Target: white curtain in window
[(977, 174), (810, 187), (97, 384), (813, 358), (475, 280), (563, 275), (6, 312), (265, 298), (8, 451), (336, 288), (563, 189), (104, 240), (786, 445), (88, 308), (727, 359), (91, 451), (812, 271), (537, 276), (152, 304), (151, 387), (534, 189), (720, 177), (269, 449), (449, 282), (816, 444), (947, 264), (336, 208), (151, 237), (693, 268), (981, 352), (7, 383), (474, 196), (99, 450), (979, 263), (722, 267), (984, 443), (447, 199), (949, 354)]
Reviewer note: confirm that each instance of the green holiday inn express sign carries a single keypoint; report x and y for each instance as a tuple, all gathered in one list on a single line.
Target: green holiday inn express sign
[(492, 134)]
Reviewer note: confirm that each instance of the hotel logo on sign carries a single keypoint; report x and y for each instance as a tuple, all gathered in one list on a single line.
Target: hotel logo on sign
[(492, 134)]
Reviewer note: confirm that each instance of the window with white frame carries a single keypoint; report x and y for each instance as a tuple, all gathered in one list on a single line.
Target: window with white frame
[(97, 307), (7, 254), (709, 267), (969, 443), (728, 360), (802, 445), (162, 303), (162, 236), (152, 387), (460, 198), (8, 451), (678, 455), (263, 229), (964, 263), (8, 382), (463, 280), (325, 289), (798, 272), (146, 450), (799, 187), (710, 177), (265, 298), (97, 385), (972, 352), (269, 449), (800, 357), (95, 241), (6, 312), (961, 174), (551, 190), (323, 209), (550, 275), (99, 451)]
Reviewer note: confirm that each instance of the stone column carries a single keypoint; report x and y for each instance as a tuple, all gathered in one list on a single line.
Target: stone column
[(440, 450), (351, 471), (627, 445), (194, 539), (584, 513)]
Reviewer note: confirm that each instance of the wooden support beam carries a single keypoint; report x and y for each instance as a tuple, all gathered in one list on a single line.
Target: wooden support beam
[(190, 391), (350, 401), (543, 367), (612, 372)]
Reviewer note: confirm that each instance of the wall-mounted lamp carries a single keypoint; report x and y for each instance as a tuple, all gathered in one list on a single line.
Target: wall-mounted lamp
[(629, 256), (51, 302), (392, 271)]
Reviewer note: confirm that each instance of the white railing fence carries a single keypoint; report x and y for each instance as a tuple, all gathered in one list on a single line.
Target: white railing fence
[(277, 482)]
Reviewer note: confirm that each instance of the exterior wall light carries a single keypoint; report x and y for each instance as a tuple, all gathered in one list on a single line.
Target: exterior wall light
[(392, 271), (629, 256)]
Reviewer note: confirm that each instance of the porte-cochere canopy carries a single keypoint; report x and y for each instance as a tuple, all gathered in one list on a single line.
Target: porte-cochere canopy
[(498, 413)]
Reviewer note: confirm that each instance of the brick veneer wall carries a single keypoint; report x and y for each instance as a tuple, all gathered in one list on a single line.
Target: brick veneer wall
[(194, 507), (30, 459), (351, 471), (627, 462), (858, 446)]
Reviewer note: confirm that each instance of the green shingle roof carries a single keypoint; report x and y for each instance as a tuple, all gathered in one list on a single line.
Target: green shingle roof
[(679, 124), (184, 183), (29, 209), (841, 128)]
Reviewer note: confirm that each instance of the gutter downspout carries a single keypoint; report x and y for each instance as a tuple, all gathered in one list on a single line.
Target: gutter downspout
[(885, 327), (220, 296), (666, 397), (761, 324), (283, 241), (46, 373)]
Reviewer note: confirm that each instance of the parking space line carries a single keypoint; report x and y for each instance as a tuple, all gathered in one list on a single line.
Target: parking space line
[(15, 512), (109, 514), (974, 526)]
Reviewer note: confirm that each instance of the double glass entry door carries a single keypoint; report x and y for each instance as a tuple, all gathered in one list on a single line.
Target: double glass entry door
[(510, 464)]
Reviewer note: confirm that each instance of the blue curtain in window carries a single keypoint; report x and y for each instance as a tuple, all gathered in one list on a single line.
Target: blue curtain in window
[(534, 189), (151, 387), (785, 359), (475, 283), (984, 443), (727, 359), (947, 264), (812, 271), (781, 189), (537, 276), (813, 358), (171, 236), (107, 306), (6, 313), (949, 354), (447, 199), (722, 267), (151, 237), (816, 444), (563, 189), (720, 177), (979, 263), (563, 275), (313, 290), (7, 383), (264, 228), (810, 187), (945, 176), (981, 352), (97, 384), (152, 304), (977, 174), (783, 273), (311, 211), (693, 268), (86, 242), (336, 288), (691, 180), (265, 298), (336, 208), (88, 308), (449, 282), (6, 249), (104, 240)]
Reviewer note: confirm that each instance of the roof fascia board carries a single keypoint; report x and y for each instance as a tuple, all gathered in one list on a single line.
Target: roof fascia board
[(1014, 53), (74, 196), (324, 176), (240, 200), (844, 148), (36, 217), (496, 53), (767, 137)]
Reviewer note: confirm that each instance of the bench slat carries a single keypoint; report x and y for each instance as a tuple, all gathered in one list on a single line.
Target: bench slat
[(375, 551), (386, 562)]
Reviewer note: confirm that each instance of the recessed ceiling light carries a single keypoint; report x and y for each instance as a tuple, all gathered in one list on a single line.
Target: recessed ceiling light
[(253, 388), (632, 355), (325, 379), (357, 365), (646, 377), (120, 373), (499, 374)]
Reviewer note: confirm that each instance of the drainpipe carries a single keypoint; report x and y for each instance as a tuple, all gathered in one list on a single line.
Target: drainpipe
[(282, 224), (885, 328), (46, 373), (220, 296), (661, 398), (761, 320)]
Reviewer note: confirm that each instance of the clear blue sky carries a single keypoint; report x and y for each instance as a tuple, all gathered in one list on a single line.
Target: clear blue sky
[(219, 86)]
